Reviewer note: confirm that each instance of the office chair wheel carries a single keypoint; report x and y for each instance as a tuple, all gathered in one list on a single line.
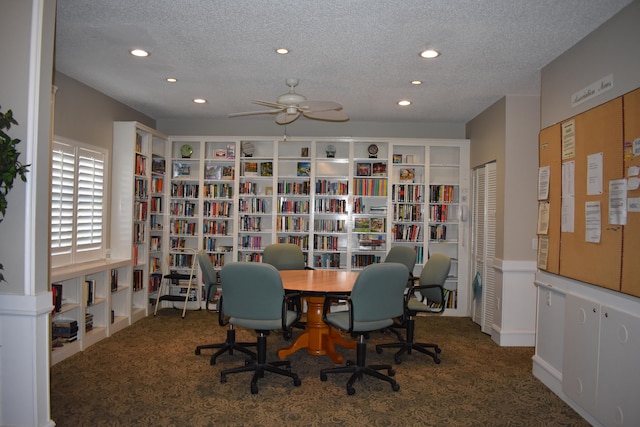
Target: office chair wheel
[(391, 372), (438, 350), (297, 382), (197, 352), (287, 335), (323, 377), (397, 359), (436, 360), (350, 390), (254, 388), (395, 386), (378, 350)]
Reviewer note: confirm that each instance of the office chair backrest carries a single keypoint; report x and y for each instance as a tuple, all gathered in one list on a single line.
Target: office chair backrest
[(284, 256), (378, 292), (435, 272), (206, 266), (404, 255), (252, 290)]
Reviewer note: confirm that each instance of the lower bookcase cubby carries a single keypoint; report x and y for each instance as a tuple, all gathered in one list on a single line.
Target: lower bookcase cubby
[(91, 301)]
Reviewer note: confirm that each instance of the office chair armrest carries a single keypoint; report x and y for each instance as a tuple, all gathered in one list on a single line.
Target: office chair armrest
[(222, 321), (288, 297), (330, 298), (422, 298)]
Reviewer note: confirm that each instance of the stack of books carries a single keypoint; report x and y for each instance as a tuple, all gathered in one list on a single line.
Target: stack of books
[(64, 331), (88, 322)]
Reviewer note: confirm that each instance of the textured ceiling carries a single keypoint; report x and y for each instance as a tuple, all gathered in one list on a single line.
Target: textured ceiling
[(360, 53)]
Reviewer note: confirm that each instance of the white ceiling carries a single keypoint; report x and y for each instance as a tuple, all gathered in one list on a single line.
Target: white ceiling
[(360, 53)]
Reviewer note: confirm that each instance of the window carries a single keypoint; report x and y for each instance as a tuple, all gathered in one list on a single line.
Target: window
[(77, 203)]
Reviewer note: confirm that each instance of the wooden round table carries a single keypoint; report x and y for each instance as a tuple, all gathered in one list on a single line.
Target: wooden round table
[(318, 338)]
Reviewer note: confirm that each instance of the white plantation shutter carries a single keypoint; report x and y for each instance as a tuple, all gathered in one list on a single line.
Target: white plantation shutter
[(62, 198), (77, 203), (90, 200)]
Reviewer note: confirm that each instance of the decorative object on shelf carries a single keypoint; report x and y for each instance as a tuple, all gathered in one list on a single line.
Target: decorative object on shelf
[(363, 169), (407, 175), (186, 151), (331, 151), (251, 169), (231, 151), (397, 158), (248, 149), (373, 151), (379, 169), (266, 169), (304, 152), (220, 153), (181, 169)]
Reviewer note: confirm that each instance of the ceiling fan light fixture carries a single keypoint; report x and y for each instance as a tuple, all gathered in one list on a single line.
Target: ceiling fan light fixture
[(140, 53), (171, 80), (282, 51), (199, 100), (404, 103), (416, 82), (429, 54)]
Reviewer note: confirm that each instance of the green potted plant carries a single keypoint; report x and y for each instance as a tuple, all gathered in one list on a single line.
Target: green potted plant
[(10, 166)]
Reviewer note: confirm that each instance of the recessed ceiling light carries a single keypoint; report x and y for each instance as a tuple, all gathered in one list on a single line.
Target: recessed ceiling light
[(404, 103), (139, 52), (171, 79), (416, 82), (430, 54), (199, 101), (282, 51)]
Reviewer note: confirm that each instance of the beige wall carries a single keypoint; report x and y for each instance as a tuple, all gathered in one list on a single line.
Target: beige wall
[(86, 115), (611, 49), (507, 133)]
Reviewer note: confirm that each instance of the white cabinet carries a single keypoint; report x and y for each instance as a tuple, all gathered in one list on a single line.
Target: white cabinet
[(94, 301), (601, 353)]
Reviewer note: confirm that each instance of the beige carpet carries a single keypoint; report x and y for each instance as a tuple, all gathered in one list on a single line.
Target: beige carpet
[(149, 375)]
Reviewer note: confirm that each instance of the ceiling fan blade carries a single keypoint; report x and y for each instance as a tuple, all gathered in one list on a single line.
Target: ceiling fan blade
[(319, 106), (285, 118), (250, 113), (331, 115), (268, 104)]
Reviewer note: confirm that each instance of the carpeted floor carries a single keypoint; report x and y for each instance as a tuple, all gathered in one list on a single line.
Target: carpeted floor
[(149, 375)]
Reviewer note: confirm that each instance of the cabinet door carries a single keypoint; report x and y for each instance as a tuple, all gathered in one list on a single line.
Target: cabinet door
[(580, 361), (618, 373)]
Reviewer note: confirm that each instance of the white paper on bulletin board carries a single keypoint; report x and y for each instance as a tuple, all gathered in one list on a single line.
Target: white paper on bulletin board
[(594, 174)]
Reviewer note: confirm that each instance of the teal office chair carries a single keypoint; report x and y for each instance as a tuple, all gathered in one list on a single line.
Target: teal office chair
[(430, 300), (376, 299), (407, 256), (404, 255), (209, 277), (287, 256), (254, 298)]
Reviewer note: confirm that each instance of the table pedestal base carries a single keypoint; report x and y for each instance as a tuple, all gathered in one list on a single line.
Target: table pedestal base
[(318, 338)]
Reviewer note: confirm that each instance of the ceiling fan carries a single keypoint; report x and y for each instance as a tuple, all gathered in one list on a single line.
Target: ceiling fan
[(289, 106)]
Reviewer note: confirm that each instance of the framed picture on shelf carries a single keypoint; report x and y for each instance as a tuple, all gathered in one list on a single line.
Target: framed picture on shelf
[(397, 158), (181, 169), (379, 169), (304, 152), (268, 191), (407, 174), (228, 172), (231, 151), (157, 165), (220, 153), (377, 225), (266, 169), (361, 224), (250, 168), (304, 168), (363, 169)]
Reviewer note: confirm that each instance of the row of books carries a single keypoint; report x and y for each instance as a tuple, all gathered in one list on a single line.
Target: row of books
[(331, 188), (292, 223), (181, 260), (442, 193), (326, 243), (183, 189), (157, 184), (253, 206), (362, 260), (293, 206), (294, 188), (411, 193), (301, 241), (406, 233), (217, 209), (331, 206), (140, 210), (185, 208), (370, 187), (251, 242), (64, 331), (141, 165), (330, 225), (438, 232), (327, 260), (250, 223), (218, 191), (140, 188), (138, 282), (402, 212), (183, 226), (210, 226), (156, 204)]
